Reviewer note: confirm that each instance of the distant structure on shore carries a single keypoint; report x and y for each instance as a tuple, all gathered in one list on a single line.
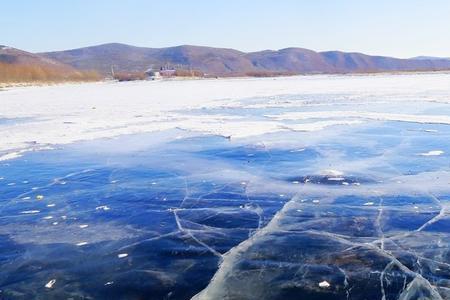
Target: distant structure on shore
[(153, 75), (161, 72)]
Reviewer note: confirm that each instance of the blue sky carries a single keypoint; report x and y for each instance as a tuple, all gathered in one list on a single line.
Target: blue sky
[(397, 28)]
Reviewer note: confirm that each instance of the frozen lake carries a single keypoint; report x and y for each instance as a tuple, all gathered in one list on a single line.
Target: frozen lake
[(315, 187)]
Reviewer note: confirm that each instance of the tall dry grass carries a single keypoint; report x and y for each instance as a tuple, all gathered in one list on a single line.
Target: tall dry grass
[(131, 76), (20, 73), (188, 73)]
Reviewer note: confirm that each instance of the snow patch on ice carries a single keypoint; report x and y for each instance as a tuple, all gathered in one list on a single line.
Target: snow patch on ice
[(432, 153)]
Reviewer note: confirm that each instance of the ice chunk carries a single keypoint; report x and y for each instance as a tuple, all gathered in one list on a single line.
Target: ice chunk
[(102, 207), (336, 178), (432, 153), (30, 212), (50, 284)]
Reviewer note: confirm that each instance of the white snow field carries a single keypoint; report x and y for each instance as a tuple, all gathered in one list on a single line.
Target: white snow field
[(35, 118)]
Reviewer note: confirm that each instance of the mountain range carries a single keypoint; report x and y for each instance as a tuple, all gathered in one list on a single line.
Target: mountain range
[(219, 61)]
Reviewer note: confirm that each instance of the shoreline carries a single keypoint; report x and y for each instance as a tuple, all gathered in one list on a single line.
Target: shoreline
[(4, 85)]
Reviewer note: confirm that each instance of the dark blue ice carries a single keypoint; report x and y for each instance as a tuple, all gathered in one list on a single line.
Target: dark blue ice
[(355, 213)]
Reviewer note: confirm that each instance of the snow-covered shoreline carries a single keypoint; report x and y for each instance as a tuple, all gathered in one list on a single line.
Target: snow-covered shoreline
[(64, 114)]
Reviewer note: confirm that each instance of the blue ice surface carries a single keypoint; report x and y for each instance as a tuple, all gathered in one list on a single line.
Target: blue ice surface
[(168, 211), (14, 121)]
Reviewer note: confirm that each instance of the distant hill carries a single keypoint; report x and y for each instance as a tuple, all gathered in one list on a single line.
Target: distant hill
[(220, 61), (21, 66), (131, 59), (430, 58)]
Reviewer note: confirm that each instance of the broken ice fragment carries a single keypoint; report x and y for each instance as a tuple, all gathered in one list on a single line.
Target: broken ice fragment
[(30, 212), (324, 284), (50, 284), (432, 153), (336, 178), (102, 207)]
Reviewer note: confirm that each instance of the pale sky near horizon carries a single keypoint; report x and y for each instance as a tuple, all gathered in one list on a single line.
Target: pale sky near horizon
[(398, 28)]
